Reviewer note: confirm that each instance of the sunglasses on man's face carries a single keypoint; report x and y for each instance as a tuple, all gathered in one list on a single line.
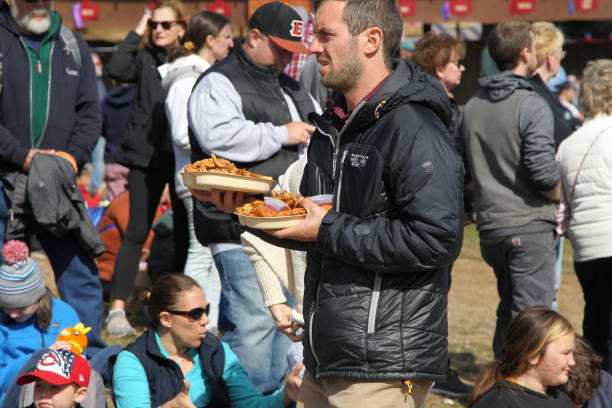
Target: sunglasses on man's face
[(193, 314), (166, 25)]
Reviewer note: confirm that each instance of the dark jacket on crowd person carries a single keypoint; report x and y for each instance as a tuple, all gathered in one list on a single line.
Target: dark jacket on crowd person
[(147, 131), (164, 375), (259, 88), (73, 111), (376, 284), (562, 126), (507, 395), (116, 108), (47, 198)]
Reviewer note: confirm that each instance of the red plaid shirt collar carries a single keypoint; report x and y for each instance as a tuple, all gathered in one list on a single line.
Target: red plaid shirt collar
[(340, 109)]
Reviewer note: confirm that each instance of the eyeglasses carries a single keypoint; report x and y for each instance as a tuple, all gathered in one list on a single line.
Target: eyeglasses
[(561, 53), (458, 63), (193, 314), (166, 25)]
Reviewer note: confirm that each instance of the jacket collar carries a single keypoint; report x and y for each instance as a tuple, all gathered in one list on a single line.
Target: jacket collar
[(257, 69), (407, 83)]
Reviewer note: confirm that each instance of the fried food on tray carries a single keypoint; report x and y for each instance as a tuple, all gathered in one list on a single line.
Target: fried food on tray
[(258, 208), (219, 165)]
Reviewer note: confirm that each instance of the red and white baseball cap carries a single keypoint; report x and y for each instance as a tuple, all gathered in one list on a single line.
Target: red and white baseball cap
[(59, 367)]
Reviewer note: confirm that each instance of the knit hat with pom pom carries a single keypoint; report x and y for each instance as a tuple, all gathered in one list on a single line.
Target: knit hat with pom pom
[(21, 283)]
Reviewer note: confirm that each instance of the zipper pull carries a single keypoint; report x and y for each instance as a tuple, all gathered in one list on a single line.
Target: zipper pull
[(38, 67), (407, 386)]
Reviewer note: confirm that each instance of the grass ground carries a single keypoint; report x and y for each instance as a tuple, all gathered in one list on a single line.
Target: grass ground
[(471, 311)]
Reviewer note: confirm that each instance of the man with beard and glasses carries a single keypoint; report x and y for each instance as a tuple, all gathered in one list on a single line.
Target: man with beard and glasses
[(49, 123), (376, 280), (246, 110)]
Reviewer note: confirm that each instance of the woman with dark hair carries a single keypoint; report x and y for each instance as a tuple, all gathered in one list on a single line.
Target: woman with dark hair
[(208, 39), (146, 148), (177, 363), (536, 356), (30, 319)]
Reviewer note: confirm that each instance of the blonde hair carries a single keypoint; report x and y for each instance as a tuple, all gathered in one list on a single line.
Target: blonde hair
[(596, 88), (547, 38), (527, 336)]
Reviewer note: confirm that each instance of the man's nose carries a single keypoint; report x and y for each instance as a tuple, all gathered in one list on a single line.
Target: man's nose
[(315, 47)]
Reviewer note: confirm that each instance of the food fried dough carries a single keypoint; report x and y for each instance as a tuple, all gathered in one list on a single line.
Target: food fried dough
[(258, 208), (218, 165)]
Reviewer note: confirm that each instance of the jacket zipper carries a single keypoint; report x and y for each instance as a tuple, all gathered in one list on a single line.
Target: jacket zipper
[(310, 336), (374, 303), (25, 48), (38, 71), (42, 134), (336, 146)]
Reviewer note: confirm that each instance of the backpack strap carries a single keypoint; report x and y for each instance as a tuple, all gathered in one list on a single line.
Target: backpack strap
[(71, 46)]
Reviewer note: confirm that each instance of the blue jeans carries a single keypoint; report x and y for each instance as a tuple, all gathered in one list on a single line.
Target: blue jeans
[(252, 335), (76, 276), (97, 162), (558, 270), (201, 267)]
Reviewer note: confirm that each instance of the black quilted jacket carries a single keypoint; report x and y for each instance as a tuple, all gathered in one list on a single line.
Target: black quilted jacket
[(376, 281)]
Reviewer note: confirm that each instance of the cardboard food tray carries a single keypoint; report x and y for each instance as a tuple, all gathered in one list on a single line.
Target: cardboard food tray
[(226, 181), (270, 222)]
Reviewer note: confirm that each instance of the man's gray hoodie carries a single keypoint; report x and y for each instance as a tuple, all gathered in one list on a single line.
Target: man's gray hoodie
[(509, 135)]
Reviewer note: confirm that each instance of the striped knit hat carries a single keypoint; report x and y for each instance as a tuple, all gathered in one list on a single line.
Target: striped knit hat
[(21, 283)]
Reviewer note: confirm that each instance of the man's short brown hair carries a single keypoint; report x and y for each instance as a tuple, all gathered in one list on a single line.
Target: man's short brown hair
[(434, 51), (507, 41), (360, 15)]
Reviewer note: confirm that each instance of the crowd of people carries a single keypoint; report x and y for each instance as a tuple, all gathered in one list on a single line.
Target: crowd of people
[(346, 308)]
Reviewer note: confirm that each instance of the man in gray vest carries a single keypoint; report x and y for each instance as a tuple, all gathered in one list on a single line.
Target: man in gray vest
[(511, 151), (246, 110)]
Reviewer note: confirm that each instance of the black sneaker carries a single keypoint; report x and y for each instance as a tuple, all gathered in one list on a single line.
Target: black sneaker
[(453, 387)]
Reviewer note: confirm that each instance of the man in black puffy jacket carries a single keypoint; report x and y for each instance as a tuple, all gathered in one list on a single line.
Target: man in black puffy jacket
[(375, 286)]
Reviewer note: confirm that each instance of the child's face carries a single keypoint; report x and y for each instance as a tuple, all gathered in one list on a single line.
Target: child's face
[(47, 395), (21, 314)]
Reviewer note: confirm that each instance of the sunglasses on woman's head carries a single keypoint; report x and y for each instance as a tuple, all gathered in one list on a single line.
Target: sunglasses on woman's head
[(193, 314), (166, 25)]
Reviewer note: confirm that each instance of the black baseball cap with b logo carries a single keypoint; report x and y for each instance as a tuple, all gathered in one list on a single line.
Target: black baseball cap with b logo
[(281, 24)]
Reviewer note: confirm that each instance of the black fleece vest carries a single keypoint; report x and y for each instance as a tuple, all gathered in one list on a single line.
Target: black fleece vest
[(165, 377), (259, 88)]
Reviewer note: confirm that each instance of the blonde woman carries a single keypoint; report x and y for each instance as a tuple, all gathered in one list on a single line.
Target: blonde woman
[(586, 174), (146, 149), (537, 354)]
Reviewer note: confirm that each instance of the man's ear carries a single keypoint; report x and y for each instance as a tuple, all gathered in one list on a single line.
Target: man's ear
[(79, 395), (373, 40), (252, 36), (164, 319)]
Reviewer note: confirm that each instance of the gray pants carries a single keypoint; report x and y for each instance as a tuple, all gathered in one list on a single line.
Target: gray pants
[(524, 267)]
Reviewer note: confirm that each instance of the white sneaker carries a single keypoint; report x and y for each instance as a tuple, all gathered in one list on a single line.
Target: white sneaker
[(117, 324)]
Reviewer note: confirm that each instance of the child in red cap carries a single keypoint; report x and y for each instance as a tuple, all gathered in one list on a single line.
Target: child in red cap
[(61, 378)]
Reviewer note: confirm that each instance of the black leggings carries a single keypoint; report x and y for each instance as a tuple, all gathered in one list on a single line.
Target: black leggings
[(596, 280), (146, 187)]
